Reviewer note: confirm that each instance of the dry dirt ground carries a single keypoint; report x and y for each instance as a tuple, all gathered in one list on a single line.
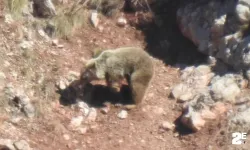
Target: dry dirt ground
[(139, 131)]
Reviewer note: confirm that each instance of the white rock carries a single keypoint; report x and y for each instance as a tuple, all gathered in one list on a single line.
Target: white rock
[(243, 13), (92, 115), (22, 145), (8, 19), (94, 18), (167, 125), (66, 137), (105, 110), (60, 46), (82, 130), (123, 114), (55, 42), (121, 21), (76, 121), (84, 108), (62, 84)]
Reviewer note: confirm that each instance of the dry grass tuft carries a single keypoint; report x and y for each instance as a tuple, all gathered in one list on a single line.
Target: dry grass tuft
[(16, 6), (65, 22)]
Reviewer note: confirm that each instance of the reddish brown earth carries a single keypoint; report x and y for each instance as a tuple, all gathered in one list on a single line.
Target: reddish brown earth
[(139, 131)]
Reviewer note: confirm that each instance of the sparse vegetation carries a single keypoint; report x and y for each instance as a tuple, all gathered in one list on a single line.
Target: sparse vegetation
[(65, 23), (16, 6), (107, 7), (69, 19)]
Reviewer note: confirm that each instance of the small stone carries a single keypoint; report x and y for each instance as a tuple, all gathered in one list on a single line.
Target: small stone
[(123, 114), (82, 130), (121, 21), (100, 28), (60, 46), (29, 110), (76, 121), (105, 110), (118, 105), (8, 19), (84, 108), (176, 134), (167, 125), (92, 115), (66, 137), (55, 42), (6, 63), (94, 18), (62, 84), (211, 61), (21, 145)]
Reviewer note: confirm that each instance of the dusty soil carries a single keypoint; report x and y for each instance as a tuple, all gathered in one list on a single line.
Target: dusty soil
[(140, 130)]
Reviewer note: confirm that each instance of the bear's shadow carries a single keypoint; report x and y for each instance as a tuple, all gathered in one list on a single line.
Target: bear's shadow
[(94, 95)]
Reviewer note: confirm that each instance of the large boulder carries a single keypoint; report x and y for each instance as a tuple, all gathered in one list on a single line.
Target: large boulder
[(218, 28)]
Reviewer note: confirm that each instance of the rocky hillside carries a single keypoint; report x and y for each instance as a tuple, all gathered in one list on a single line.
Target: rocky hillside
[(197, 98)]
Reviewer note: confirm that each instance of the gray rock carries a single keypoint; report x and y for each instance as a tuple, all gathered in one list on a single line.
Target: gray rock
[(218, 31), (182, 92), (240, 121), (224, 89), (22, 145)]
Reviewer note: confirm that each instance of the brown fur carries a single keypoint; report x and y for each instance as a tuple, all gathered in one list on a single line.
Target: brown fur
[(131, 63)]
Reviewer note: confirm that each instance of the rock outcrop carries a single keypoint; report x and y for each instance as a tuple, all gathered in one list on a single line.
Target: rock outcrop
[(219, 29)]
